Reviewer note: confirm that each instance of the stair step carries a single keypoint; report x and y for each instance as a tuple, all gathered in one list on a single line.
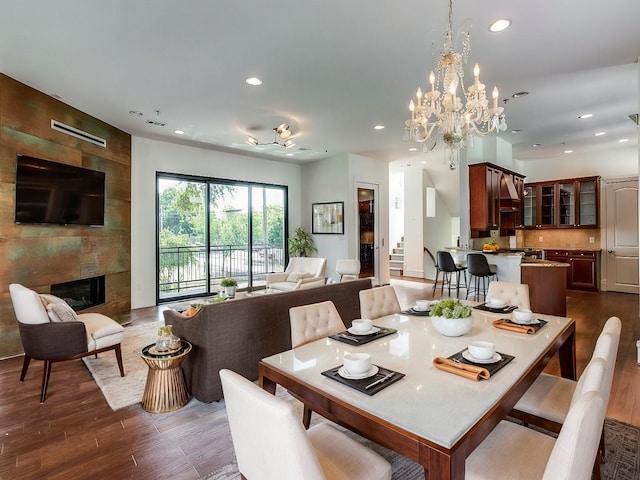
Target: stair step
[(396, 264), (397, 258), (400, 244), (399, 251)]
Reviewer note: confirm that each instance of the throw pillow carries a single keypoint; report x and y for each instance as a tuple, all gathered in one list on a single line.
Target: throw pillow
[(46, 299), (61, 312), (295, 276)]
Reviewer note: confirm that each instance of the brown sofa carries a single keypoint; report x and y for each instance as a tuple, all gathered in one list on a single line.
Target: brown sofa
[(237, 334)]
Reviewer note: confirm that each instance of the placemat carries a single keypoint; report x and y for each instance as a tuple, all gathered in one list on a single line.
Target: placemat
[(361, 385), (509, 324), (351, 339), (491, 367), (487, 308), (419, 313)]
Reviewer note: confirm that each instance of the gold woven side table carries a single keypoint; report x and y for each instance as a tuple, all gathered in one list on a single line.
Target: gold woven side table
[(165, 389)]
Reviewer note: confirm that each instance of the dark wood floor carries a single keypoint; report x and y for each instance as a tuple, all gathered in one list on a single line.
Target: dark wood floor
[(74, 435)]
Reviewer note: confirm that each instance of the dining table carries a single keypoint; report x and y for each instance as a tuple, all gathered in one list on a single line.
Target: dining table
[(431, 416)]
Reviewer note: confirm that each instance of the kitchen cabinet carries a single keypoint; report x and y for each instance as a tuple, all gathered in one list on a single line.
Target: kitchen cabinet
[(568, 203), (583, 271), (495, 200)]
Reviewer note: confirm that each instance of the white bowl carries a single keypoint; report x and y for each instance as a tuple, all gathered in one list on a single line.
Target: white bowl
[(496, 302), (522, 315), (422, 305), (361, 325), (357, 363), (481, 350), (452, 327)]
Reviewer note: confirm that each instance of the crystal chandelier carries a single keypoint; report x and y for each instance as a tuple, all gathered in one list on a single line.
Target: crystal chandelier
[(434, 113)]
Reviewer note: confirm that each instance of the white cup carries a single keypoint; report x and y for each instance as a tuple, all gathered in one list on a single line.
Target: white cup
[(482, 350), (522, 315), (357, 363), (361, 325), (497, 302), (422, 305)]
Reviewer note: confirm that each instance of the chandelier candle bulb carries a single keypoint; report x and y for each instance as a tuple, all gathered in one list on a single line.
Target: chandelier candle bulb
[(476, 74), (495, 99)]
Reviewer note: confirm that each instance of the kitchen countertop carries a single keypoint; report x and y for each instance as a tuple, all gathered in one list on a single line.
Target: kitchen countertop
[(534, 262)]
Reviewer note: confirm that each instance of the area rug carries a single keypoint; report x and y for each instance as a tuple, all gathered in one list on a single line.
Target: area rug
[(120, 391)]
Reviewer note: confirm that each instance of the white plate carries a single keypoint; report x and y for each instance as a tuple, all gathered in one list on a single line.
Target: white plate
[(533, 321), (496, 358), (372, 371), (373, 330)]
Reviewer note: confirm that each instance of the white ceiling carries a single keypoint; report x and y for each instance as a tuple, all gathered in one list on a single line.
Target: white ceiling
[(332, 69)]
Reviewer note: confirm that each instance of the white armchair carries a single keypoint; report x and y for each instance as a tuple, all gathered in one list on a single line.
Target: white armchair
[(302, 272)]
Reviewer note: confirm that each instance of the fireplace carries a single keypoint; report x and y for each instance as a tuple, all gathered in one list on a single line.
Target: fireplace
[(81, 294)]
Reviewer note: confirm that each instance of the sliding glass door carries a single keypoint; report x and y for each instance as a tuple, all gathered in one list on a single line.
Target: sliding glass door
[(240, 235)]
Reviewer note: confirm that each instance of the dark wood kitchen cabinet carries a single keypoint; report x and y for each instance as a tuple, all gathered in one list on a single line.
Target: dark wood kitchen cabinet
[(583, 271), (495, 200), (568, 203)]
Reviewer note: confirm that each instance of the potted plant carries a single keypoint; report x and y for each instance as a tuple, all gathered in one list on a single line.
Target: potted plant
[(229, 285), (301, 244), (451, 317)]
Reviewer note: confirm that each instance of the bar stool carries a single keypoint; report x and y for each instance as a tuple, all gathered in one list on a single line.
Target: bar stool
[(447, 266), (481, 271)]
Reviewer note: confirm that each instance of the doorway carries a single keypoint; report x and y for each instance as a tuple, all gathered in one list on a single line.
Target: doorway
[(368, 229), (621, 249)]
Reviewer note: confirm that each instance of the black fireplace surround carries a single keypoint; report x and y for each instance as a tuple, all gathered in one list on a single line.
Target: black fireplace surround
[(81, 294)]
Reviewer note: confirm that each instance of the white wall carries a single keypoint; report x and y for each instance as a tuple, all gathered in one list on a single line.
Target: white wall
[(414, 219), (151, 156), (327, 181), (396, 204), (437, 230)]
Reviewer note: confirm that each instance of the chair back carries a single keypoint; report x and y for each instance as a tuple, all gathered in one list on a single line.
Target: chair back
[(478, 265), (445, 261), (516, 294), (348, 269), (27, 305), (574, 452), (378, 302), (607, 349), (268, 438), (311, 322), (313, 265)]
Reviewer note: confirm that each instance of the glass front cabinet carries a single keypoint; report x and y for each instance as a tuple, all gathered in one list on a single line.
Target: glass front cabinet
[(569, 203)]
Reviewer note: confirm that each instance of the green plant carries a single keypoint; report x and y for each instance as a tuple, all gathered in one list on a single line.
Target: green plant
[(451, 309), (301, 244), (228, 282)]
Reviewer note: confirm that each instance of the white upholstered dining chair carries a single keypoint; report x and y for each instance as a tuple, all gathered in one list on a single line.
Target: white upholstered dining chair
[(309, 323), (378, 302), (271, 444), (516, 294), (515, 451), (348, 269)]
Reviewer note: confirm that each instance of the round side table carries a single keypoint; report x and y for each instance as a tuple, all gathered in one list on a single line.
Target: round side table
[(165, 389)]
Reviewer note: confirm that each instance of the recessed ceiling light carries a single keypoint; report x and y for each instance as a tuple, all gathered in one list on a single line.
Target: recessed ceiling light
[(413, 149), (423, 162), (568, 151), (586, 115), (378, 127), (516, 131), (622, 140), (499, 25), (535, 145), (289, 154), (179, 132), (520, 94), (254, 81), (599, 134)]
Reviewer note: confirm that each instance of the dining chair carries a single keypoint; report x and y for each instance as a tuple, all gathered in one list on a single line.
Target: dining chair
[(309, 323), (378, 302), (547, 401), (515, 451), (270, 442), (516, 294), (447, 266), (479, 270)]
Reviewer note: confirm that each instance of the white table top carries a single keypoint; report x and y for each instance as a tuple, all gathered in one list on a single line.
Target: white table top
[(431, 403)]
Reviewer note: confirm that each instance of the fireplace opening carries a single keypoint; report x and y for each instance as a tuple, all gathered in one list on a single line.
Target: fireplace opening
[(81, 294)]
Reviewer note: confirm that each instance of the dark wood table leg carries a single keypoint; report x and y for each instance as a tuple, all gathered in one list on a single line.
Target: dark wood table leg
[(266, 383), (567, 357)]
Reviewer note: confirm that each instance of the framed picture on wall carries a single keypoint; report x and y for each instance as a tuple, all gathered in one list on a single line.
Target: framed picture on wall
[(327, 218)]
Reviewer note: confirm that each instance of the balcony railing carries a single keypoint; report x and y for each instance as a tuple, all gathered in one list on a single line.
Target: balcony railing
[(183, 270)]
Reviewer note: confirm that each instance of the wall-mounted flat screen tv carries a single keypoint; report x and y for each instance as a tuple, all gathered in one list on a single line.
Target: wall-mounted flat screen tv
[(51, 192)]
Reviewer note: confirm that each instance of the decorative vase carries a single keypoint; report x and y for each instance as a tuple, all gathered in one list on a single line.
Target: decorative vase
[(166, 339), (452, 327), (230, 291)]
